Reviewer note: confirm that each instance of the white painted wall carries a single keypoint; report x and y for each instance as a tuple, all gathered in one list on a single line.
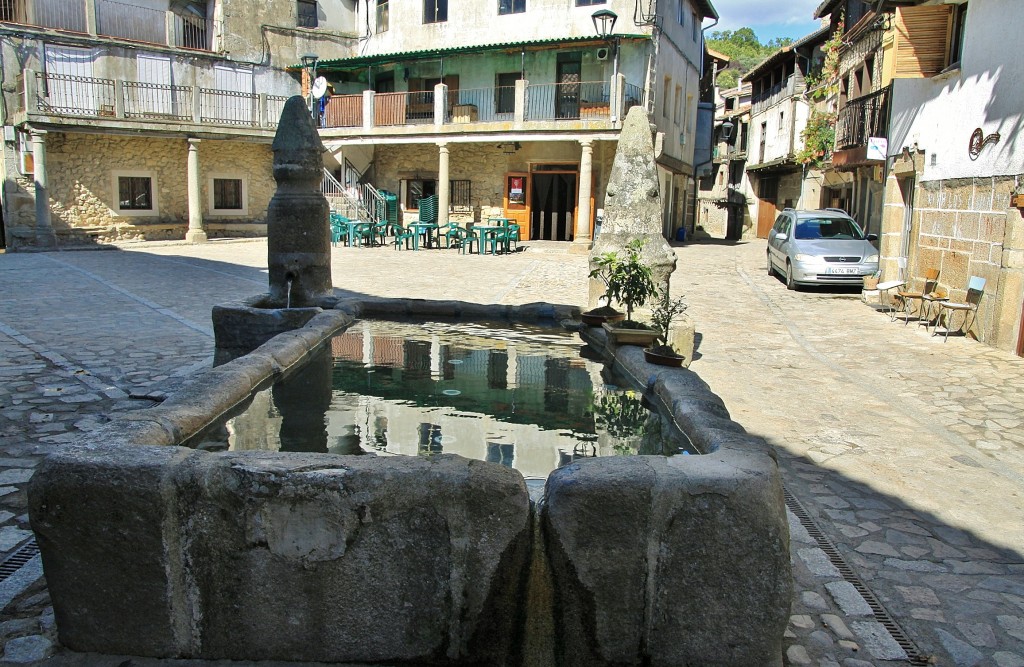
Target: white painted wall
[(782, 135), (478, 22), (939, 114)]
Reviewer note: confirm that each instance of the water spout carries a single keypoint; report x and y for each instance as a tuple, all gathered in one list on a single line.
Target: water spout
[(288, 293)]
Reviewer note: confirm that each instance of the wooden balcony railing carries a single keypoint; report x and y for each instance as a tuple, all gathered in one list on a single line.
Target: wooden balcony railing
[(862, 118)]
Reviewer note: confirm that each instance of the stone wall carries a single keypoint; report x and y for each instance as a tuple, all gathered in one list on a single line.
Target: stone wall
[(964, 228), (81, 175)]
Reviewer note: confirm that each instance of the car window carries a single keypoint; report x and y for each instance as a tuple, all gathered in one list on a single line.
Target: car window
[(779, 224), (843, 229)]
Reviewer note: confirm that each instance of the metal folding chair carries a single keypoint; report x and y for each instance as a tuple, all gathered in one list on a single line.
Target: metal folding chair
[(907, 297), (884, 287), (969, 307)]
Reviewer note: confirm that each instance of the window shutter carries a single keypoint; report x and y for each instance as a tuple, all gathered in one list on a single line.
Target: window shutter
[(922, 40)]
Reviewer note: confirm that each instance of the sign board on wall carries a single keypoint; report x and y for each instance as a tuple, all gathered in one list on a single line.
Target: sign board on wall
[(878, 148)]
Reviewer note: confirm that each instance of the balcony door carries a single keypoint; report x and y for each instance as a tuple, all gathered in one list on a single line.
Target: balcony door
[(153, 97), (567, 90), (70, 87), (235, 101)]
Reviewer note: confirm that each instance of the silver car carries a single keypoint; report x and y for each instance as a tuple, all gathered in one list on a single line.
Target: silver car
[(825, 247)]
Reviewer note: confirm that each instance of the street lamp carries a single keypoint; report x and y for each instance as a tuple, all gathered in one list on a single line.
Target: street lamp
[(309, 65), (727, 128), (604, 24)]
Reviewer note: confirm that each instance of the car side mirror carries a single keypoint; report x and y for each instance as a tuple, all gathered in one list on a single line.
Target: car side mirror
[(872, 237), (781, 236)]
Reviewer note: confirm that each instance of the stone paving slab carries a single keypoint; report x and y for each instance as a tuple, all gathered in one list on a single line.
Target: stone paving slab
[(906, 452)]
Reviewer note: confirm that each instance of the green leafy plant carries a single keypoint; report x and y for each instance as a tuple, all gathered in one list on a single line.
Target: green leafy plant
[(603, 271), (819, 136), (665, 310), (629, 281)]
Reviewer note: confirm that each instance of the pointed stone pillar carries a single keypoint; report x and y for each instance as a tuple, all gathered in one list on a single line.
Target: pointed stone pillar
[(632, 204), (195, 233), (298, 231), (444, 184), (581, 240), (45, 236)]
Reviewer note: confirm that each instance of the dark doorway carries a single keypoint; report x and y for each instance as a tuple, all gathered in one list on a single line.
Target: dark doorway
[(567, 92), (552, 208), (3, 232)]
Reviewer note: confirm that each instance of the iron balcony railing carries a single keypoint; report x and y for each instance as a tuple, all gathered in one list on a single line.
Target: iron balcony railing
[(568, 101), (122, 20), (862, 118), (82, 96)]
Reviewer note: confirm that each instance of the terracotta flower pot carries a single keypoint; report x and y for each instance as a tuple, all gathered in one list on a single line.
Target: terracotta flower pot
[(630, 335), (598, 316)]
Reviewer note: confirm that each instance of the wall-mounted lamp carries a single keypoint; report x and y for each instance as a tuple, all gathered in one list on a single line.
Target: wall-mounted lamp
[(726, 128), (604, 22), (309, 62)]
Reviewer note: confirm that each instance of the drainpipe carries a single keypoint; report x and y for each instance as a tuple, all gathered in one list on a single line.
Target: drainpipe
[(713, 86)]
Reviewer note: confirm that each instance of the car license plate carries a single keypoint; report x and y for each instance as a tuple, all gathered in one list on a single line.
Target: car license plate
[(843, 270)]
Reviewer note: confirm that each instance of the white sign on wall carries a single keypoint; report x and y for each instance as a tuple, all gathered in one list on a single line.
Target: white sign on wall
[(878, 148)]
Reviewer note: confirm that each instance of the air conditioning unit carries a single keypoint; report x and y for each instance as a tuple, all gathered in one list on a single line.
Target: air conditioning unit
[(602, 53)]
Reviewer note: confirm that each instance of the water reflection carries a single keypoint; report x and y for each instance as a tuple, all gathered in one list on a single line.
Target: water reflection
[(520, 396)]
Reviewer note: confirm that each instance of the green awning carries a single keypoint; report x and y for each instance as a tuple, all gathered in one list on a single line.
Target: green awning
[(360, 62)]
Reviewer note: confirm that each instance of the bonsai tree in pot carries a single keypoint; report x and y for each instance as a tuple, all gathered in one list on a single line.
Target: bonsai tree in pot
[(665, 310), (605, 266), (630, 282)]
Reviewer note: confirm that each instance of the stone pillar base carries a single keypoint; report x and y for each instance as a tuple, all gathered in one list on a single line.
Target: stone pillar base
[(46, 239), (581, 247), (196, 236)]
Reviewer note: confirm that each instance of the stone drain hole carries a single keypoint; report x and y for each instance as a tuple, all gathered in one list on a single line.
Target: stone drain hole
[(914, 657), (17, 560)]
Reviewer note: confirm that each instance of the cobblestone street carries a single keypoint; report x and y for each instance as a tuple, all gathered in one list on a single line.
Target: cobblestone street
[(903, 454)]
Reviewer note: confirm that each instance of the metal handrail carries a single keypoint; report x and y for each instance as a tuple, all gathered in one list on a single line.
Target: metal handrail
[(861, 118)]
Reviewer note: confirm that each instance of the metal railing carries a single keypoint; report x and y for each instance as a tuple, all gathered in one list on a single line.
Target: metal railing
[(568, 101), (227, 107), (116, 19), (861, 118), (634, 97), (67, 95), (157, 100), (192, 32), (484, 105), (57, 14), (141, 24), (275, 105)]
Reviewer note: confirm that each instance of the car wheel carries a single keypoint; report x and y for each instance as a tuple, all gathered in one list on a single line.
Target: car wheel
[(790, 281), (771, 269)]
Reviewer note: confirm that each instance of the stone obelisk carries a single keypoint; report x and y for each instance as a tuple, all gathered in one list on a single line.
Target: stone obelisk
[(298, 230), (632, 204)]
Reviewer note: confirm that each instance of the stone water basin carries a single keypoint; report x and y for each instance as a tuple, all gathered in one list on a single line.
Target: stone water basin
[(152, 548)]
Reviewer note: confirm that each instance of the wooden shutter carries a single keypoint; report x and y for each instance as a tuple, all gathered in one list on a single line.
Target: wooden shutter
[(922, 40)]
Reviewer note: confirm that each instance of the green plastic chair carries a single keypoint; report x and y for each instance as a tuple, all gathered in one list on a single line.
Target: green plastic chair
[(452, 233)]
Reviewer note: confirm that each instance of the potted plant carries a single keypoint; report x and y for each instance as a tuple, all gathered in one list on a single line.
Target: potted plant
[(603, 272), (665, 310), (871, 282), (630, 284)]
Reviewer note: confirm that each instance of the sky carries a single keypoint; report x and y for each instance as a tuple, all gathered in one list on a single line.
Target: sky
[(768, 18)]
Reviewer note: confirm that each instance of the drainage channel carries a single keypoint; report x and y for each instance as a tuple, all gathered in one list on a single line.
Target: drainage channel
[(18, 559), (914, 656)]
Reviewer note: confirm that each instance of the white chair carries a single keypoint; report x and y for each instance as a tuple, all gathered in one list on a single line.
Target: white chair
[(884, 287), (969, 307)]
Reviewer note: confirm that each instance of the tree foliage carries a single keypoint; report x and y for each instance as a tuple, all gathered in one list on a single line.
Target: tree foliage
[(745, 51)]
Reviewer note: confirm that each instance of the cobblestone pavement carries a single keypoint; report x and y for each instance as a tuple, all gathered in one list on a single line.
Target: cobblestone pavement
[(902, 452)]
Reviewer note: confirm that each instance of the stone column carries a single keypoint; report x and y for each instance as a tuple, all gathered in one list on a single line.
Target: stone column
[(45, 236), (195, 233), (443, 184), (581, 241)]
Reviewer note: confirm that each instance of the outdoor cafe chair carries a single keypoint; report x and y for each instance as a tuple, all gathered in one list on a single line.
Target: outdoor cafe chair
[(471, 238), (511, 237), (884, 287), (339, 228), (969, 307), (907, 297), (452, 233)]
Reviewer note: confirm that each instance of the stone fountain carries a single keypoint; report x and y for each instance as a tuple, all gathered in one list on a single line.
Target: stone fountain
[(151, 548)]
